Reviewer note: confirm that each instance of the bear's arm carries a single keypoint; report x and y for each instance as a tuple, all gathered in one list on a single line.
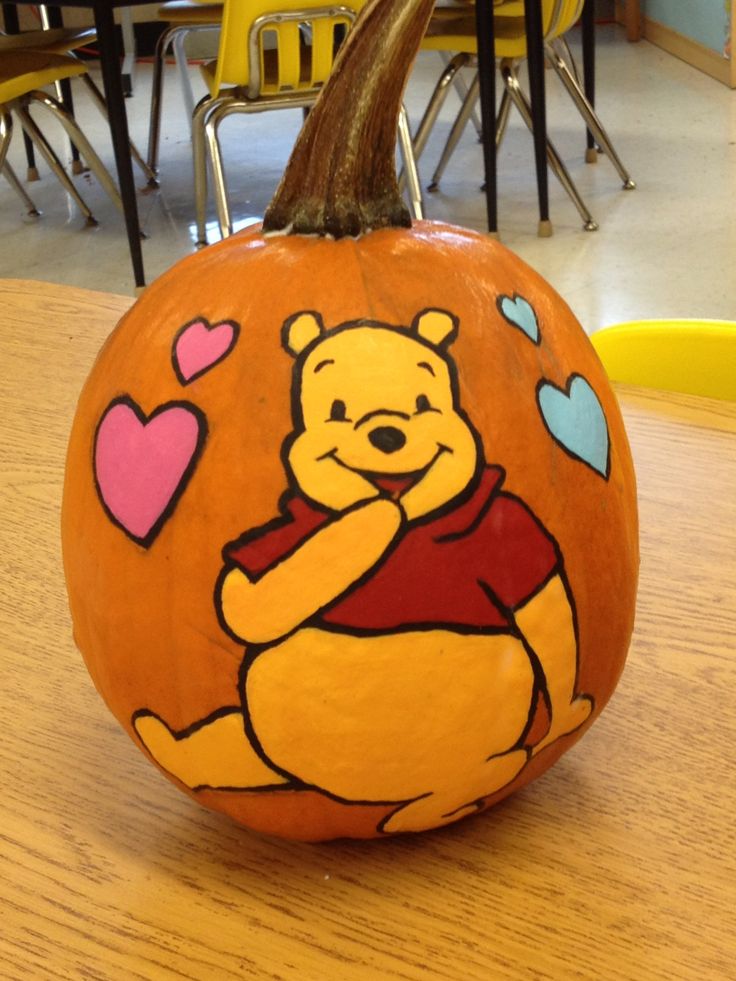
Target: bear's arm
[(312, 576)]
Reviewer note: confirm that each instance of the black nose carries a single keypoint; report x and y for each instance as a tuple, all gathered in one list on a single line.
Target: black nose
[(388, 439)]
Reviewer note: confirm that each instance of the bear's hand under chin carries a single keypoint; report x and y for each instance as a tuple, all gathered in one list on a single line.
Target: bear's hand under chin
[(327, 481), (262, 610)]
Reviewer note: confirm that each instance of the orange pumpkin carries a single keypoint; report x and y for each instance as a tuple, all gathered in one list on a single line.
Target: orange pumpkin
[(349, 526)]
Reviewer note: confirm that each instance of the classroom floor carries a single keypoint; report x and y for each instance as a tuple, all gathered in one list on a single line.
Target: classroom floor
[(667, 248)]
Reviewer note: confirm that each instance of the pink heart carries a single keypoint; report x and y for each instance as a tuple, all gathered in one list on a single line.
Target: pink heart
[(142, 465), (199, 346)]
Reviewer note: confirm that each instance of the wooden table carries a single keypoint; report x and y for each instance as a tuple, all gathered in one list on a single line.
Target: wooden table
[(618, 865)]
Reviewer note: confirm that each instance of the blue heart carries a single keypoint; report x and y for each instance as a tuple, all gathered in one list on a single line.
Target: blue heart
[(576, 421), (520, 313)]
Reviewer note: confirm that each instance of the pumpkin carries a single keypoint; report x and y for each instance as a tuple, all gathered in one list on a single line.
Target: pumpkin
[(349, 519)]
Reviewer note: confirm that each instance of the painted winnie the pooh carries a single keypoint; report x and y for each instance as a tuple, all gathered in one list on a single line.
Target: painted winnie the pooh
[(403, 614)]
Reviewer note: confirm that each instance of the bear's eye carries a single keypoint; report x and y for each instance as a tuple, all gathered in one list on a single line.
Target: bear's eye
[(423, 404), (338, 411)]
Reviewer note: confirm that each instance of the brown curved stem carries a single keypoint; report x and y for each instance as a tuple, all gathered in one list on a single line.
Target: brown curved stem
[(341, 177)]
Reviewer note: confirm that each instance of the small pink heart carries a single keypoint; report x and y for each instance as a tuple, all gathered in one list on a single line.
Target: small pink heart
[(142, 465), (199, 346)]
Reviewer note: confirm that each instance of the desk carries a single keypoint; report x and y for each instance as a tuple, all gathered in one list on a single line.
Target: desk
[(619, 864)]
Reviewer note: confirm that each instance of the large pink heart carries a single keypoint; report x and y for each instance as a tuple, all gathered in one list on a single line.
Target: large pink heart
[(142, 465), (199, 346)]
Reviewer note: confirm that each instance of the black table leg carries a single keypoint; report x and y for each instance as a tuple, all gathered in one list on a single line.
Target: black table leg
[(110, 64), (487, 76), (588, 29), (535, 61)]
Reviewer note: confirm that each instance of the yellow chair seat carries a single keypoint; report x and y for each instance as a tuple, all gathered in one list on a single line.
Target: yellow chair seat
[(697, 357), (24, 71), (188, 12), (58, 40)]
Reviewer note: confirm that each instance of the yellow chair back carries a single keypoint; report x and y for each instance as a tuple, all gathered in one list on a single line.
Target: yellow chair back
[(263, 49), (697, 357)]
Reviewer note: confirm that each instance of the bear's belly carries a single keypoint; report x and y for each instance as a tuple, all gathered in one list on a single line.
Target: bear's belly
[(389, 717)]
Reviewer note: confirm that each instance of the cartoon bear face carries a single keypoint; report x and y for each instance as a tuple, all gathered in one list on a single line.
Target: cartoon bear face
[(376, 413)]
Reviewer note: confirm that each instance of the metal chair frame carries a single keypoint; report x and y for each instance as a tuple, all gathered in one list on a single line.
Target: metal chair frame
[(211, 111)]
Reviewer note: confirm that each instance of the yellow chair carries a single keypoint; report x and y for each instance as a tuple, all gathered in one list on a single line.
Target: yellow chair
[(270, 59), (65, 41), (697, 357), (23, 74), (184, 17), (452, 28)]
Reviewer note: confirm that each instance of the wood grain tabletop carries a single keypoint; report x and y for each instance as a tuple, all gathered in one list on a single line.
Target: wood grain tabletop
[(619, 864)]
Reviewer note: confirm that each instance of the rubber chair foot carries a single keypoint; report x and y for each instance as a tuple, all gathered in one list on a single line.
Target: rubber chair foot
[(153, 184), (33, 174), (433, 187), (79, 168), (629, 185), (91, 222), (544, 229), (34, 213), (591, 155), (590, 226)]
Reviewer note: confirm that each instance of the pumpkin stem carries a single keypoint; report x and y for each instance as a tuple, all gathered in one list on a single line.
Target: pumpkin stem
[(341, 177)]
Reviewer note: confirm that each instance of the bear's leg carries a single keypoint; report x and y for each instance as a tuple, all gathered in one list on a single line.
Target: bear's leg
[(213, 753), (547, 624), (444, 807)]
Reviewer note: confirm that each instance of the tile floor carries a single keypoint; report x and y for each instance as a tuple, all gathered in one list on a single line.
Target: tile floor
[(665, 249)]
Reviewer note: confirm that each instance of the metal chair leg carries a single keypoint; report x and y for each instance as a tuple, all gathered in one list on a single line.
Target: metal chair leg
[(461, 88), (175, 37), (99, 99), (12, 179), (222, 205), (199, 158), (502, 116), (82, 143), (6, 133), (436, 102), (52, 160), (410, 166), (458, 127), (180, 56), (157, 85), (508, 74), (588, 113)]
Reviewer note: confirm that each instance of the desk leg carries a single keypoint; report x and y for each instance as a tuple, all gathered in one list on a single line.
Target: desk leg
[(105, 26), (588, 30), (535, 61), (487, 76)]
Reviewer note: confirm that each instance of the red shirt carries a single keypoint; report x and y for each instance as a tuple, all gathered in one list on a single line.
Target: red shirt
[(468, 568)]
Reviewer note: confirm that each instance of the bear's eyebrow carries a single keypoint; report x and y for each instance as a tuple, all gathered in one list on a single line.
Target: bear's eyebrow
[(323, 364), (427, 365)]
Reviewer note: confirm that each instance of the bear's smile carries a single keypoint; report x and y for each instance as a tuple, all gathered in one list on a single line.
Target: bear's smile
[(392, 484)]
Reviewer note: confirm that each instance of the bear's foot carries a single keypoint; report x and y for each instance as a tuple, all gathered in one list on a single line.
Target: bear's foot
[(566, 720), (437, 809), (215, 753)]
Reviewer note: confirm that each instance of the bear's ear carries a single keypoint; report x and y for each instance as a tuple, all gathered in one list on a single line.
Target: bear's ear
[(436, 326), (300, 330)]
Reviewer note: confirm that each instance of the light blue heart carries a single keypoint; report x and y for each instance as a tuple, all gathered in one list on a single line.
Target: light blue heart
[(520, 313), (576, 421)]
